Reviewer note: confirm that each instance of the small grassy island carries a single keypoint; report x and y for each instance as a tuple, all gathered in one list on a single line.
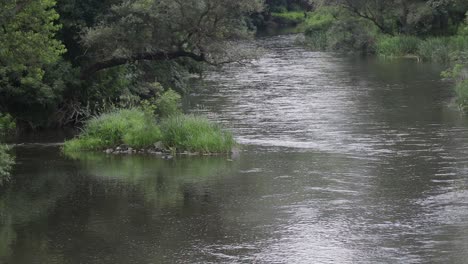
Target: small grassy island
[(133, 131), (144, 130)]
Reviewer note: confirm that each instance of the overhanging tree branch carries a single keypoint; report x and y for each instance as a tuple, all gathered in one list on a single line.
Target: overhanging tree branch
[(151, 56), (372, 18)]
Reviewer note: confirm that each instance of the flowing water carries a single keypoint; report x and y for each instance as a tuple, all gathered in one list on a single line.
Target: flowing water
[(344, 160)]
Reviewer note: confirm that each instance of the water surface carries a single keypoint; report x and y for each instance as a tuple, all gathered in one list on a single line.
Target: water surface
[(345, 160)]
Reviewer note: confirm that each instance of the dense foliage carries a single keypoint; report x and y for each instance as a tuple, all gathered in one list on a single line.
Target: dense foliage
[(63, 62), (7, 126)]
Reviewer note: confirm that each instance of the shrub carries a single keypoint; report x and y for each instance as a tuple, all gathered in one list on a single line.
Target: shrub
[(333, 29), (461, 90), (128, 126), (435, 49), (7, 124), (320, 20), (316, 26), (459, 74), (6, 163), (168, 104), (350, 35), (195, 133), (317, 40), (394, 46)]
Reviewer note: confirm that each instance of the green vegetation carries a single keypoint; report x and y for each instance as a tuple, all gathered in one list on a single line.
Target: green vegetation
[(6, 163), (435, 31), (138, 129), (196, 134), (168, 104), (132, 127), (290, 18), (398, 46), (62, 62), (436, 49), (7, 126), (459, 73)]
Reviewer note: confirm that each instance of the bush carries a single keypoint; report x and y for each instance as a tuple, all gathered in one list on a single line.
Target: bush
[(325, 31), (321, 19), (397, 45), (6, 163), (435, 49), (194, 133), (461, 90), (350, 35), (128, 126), (316, 26), (459, 74), (290, 18), (7, 125), (168, 104)]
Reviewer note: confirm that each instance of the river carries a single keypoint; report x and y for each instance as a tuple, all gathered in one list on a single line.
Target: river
[(344, 160)]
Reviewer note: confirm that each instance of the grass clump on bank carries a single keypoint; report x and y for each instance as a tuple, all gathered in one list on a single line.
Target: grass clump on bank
[(195, 133), (137, 129), (132, 127), (397, 46), (435, 49), (290, 17), (459, 74)]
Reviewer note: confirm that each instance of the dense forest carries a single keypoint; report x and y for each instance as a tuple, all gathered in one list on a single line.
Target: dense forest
[(62, 62)]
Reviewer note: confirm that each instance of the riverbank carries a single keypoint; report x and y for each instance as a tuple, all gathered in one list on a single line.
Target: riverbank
[(350, 30)]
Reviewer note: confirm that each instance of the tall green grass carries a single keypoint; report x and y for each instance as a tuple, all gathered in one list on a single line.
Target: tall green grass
[(195, 133), (291, 17), (397, 46), (138, 130), (132, 127), (461, 90), (436, 49)]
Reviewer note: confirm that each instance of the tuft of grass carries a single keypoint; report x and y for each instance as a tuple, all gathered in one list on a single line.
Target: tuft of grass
[(127, 126), (397, 46), (142, 136), (290, 17), (435, 49), (195, 133), (319, 21)]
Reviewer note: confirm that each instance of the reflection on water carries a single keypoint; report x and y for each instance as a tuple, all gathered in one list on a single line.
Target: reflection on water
[(346, 160)]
